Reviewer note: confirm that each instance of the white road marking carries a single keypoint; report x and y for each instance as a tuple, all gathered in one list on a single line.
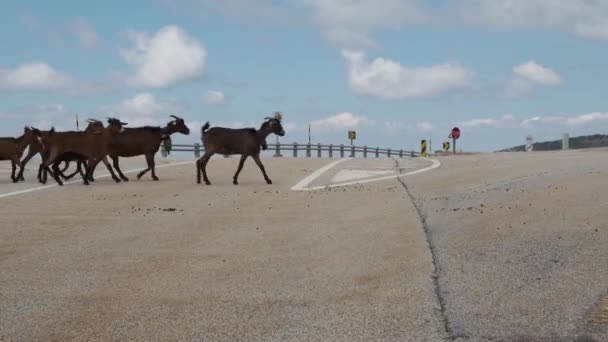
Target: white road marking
[(25, 191), (349, 175), (302, 185)]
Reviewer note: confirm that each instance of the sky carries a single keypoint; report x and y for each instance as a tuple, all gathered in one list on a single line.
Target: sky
[(395, 71)]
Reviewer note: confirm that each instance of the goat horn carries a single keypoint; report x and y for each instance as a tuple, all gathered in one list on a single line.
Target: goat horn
[(175, 117)]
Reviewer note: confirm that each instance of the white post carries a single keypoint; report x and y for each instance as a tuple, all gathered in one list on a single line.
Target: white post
[(565, 141)]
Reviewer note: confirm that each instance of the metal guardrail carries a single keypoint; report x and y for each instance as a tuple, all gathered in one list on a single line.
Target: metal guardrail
[(310, 149)]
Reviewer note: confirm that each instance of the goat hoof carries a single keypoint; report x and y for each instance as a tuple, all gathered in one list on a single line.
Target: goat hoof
[(155, 178), (235, 182), (125, 179), (208, 182), (15, 180), (268, 181)]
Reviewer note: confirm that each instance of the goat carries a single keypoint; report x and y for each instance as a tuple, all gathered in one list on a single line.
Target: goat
[(90, 145), (93, 126), (12, 149), (143, 141), (36, 148), (244, 141)]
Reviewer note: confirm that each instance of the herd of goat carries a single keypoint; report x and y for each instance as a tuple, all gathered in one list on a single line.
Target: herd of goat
[(98, 142)]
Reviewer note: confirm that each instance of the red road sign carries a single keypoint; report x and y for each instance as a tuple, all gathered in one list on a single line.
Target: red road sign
[(455, 133)]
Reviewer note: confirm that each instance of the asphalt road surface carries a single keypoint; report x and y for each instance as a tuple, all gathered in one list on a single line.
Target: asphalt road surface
[(493, 247)]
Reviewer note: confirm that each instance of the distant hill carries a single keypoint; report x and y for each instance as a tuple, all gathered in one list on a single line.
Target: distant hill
[(588, 141)]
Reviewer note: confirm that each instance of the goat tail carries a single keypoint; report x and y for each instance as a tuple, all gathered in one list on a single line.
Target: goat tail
[(205, 128)]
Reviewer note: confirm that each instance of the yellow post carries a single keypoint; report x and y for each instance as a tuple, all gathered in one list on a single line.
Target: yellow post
[(423, 152)]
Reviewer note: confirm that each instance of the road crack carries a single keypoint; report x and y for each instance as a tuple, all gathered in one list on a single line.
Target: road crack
[(436, 270)]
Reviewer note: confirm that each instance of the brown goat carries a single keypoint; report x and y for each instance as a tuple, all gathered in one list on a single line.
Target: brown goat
[(244, 141), (143, 141), (12, 149), (93, 125), (34, 149), (92, 145)]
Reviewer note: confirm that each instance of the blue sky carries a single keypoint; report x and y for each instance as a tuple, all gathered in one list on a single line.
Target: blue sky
[(396, 71)]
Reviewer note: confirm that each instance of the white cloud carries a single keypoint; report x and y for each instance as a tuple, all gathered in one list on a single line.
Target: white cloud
[(86, 34), (424, 126), (587, 19), (165, 59), (214, 97), (34, 76), (486, 122), (586, 118), (390, 80), (144, 109), (265, 11), (537, 73), (571, 121), (341, 120), (348, 23)]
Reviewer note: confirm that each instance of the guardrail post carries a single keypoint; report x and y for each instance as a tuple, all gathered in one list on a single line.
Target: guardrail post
[(163, 152), (277, 149), (400, 153), (341, 150), (377, 152), (308, 150), (319, 150), (352, 151), (331, 150), (295, 150), (365, 151), (197, 150), (412, 154), (389, 152)]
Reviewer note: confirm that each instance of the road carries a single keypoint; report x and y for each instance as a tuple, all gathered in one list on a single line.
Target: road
[(490, 247)]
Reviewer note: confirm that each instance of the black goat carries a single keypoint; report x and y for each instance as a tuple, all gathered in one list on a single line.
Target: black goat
[(244, 141), (143, 141)]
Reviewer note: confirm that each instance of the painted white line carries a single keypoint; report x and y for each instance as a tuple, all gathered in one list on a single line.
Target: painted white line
[(25, 191), (435, 165), (301, 186), (350, 175)]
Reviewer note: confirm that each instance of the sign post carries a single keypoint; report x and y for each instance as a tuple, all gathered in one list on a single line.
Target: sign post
[(455, 134), (352, 135), (423, 152)]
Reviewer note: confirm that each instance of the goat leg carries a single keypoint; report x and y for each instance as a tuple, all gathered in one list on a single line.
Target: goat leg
[(107, 164), (152, 164), (14, 167), (257, 160), (203, 166), (235, 180), (56, 173), (117, 167), (91, 165), (139, 175), (24, 162)]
